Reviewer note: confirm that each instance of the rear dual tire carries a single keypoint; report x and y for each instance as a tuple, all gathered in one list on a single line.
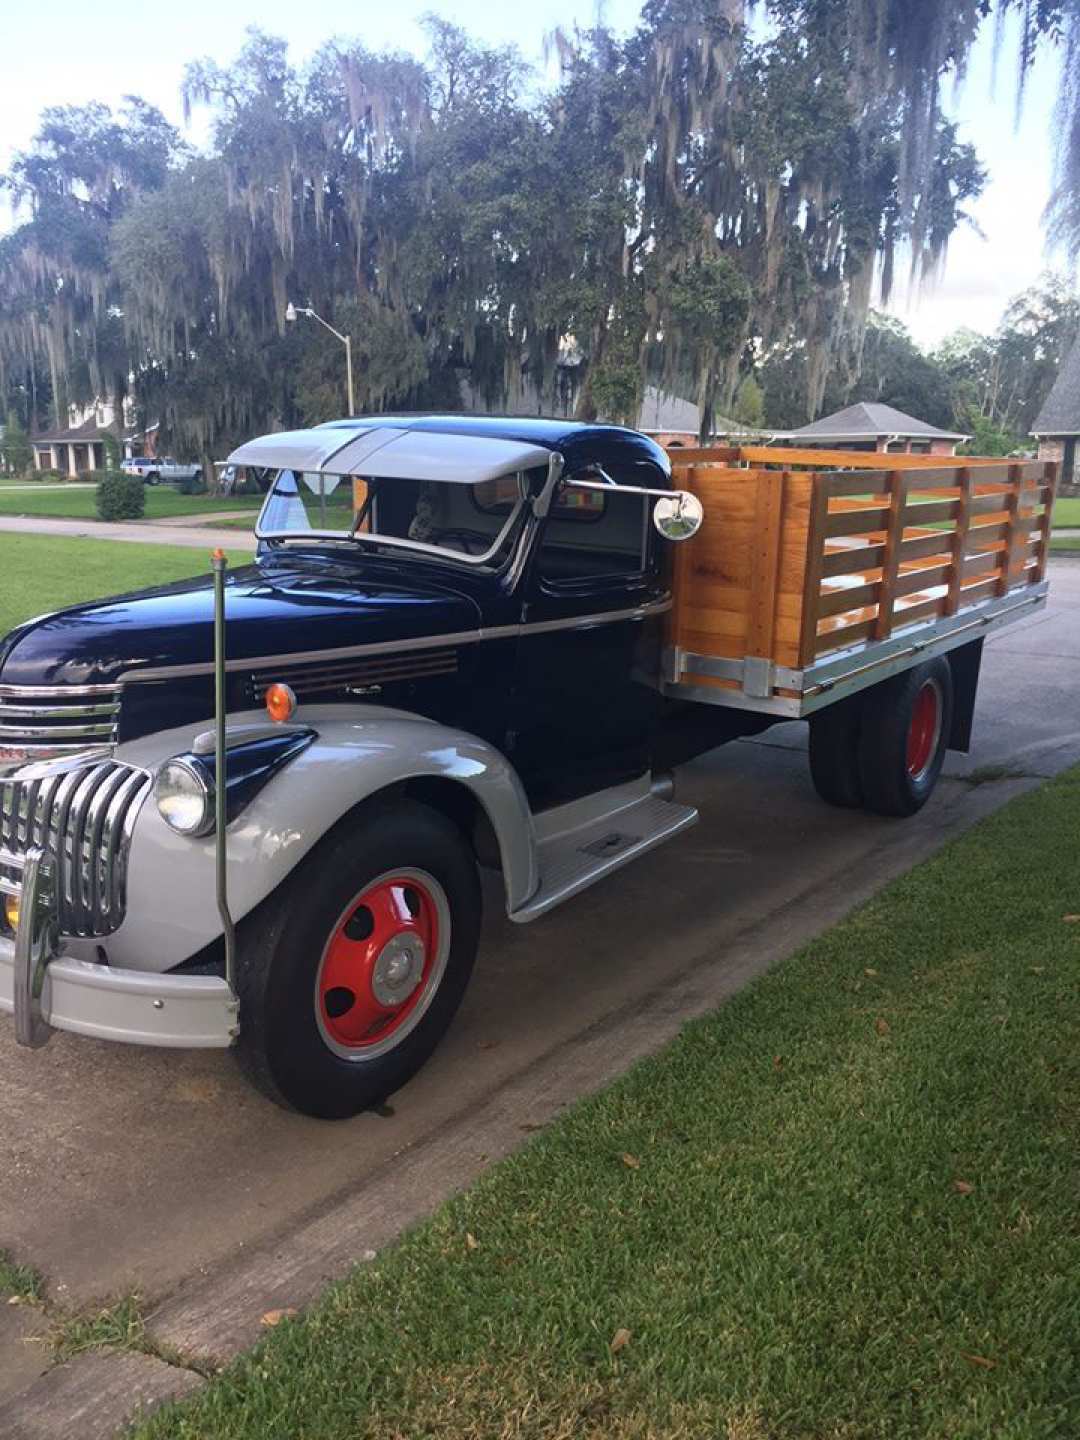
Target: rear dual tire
[(883, 750)]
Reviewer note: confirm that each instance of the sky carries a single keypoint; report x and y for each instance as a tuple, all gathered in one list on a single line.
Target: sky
[(75, 53)]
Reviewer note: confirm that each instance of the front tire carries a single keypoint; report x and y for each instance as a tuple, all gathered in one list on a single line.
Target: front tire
[(357, 967), (904, 737)]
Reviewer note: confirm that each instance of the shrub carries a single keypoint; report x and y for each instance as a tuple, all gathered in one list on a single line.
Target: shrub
[(190, 485), (121, 497), (53, 477)]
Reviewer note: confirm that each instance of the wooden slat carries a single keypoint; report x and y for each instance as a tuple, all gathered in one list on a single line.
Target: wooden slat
[(870, 483), (959, 542), (833, 459), (979, 591), (1013, 508), (815, 556), (980, 535), (912, 581), (890, 565), (931, 512), (840, 639), (852, 560), (764, 563), (988, 563), (918, 547), (996, 504), (1047, 520), (685, 455), (856, 459), (856, 522), (926, 610), (851, 597)]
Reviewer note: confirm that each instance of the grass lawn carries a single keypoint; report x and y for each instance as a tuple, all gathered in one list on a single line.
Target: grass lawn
[(1065, 545), (844, 1207), (1067, 511), (43, 572), (161, 503)]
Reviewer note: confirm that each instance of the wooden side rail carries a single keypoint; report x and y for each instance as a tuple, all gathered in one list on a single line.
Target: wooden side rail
[(792, 564), (903, 551)]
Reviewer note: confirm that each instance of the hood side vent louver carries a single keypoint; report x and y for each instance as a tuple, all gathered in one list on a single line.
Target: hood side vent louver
[(347, 677)]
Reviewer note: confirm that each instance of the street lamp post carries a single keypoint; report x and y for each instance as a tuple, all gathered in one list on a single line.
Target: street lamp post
[(292, 311)]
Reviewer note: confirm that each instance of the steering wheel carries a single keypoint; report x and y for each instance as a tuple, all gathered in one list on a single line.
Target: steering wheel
[(465, 538)]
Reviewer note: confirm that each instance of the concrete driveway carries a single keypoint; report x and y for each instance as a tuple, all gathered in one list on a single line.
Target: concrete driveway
[(163, 1172), (137, 532)]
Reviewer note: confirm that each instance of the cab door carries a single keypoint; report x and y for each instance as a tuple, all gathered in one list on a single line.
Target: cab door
[(586, 704)]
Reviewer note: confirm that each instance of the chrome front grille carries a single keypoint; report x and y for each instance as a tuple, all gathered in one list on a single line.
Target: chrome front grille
[(84, 819), (354, 676), (52, 720)]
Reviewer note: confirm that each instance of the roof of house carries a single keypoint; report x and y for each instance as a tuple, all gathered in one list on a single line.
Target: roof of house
[(662, 414), (1060, 414), (79, 434), (869, 420)]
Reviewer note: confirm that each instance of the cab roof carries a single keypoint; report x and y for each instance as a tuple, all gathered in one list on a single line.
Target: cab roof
[(550, 433), (463, 448)]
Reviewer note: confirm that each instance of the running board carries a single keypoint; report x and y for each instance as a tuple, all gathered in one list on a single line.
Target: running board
[(574, 859)]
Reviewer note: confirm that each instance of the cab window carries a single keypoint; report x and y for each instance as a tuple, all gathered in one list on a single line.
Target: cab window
[(589, 534)]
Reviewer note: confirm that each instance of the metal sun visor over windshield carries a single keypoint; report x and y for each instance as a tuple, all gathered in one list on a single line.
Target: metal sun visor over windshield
[(308, 495)]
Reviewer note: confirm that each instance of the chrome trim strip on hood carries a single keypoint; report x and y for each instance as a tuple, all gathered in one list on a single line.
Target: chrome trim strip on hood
[(401, 647)]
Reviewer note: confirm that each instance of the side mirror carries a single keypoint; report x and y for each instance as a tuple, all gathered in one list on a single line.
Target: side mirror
[(678, 516)]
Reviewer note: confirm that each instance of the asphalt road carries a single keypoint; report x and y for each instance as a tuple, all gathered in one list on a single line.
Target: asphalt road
[(125, 1168)]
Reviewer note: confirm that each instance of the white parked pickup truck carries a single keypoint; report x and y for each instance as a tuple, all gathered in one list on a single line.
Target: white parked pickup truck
[(157, 468)]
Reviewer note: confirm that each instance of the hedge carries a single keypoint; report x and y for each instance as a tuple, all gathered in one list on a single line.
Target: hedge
[(120, 497)]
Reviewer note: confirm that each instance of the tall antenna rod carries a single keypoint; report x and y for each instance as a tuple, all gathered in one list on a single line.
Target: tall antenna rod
[(221, 564)]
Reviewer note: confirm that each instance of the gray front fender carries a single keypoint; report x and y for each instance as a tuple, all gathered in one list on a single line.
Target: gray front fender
[(171, 907)]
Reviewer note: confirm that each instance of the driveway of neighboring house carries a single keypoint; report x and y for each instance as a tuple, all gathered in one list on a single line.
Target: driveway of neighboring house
[(141, 532)]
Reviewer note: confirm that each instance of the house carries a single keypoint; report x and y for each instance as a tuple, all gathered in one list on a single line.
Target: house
[(673, 422), (1057, 425), (80, 445), (869, 425)]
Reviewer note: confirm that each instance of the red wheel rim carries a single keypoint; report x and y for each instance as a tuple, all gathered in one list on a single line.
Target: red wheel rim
[(382, 964), (923, 730)]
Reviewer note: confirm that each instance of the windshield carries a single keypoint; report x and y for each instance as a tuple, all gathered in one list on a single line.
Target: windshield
[(469, 522)]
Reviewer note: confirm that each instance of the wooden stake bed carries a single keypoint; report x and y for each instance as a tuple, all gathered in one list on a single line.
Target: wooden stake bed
[(817, 573)]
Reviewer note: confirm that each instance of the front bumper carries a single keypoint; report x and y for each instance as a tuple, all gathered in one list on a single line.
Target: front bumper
[(46, 991)]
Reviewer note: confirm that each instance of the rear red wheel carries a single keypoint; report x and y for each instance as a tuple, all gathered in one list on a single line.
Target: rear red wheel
[(924, 729), (905, 732)]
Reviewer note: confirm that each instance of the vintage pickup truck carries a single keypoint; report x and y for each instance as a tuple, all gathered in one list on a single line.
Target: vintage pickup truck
[(463, 642)]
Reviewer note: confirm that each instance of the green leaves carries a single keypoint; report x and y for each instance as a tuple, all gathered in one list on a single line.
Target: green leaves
[(672, 203)]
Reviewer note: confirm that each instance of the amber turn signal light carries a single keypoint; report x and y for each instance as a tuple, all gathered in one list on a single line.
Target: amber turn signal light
[(11, 911), (280, 703)]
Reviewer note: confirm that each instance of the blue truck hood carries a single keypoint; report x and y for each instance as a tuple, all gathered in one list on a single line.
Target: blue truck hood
[(278, 606)]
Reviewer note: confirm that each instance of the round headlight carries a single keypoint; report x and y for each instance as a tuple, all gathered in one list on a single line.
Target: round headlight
[(184, 798)]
